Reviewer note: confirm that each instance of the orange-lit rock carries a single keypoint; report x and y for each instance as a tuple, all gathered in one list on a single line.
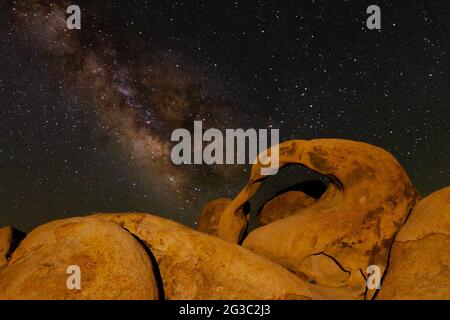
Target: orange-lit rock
[(283, 206), (352, 226), (194, 265), (291, 201), (419, 266), (112, 262), (210, 217)]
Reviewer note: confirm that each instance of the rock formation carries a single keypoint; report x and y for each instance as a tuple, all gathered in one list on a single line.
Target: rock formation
[(112, 262), (419, 266), (352, 226), (283, 206), (312, 246), (194, 265), (210, 217), (290, 201)]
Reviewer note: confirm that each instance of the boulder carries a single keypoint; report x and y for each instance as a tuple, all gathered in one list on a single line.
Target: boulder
[(283, 206), (290, 201), (210, 217), (112, 263), (419, 265), (332, 242), (194, 265)]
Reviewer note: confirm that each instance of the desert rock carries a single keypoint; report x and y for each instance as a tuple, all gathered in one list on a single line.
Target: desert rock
[(113, 264), (291, 201), (194, 265), (352, 226), (210, 217), (419, 266), (283, 206)]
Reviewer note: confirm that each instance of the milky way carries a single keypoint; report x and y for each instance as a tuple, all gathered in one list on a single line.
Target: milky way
[(137, 98), (87, 114)]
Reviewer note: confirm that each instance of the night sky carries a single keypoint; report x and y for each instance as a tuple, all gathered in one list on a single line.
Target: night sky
[(86, 115)]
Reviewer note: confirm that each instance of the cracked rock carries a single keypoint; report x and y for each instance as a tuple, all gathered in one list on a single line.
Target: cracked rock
[(112, 264), (333, 241), (194, 265), (419, 266)]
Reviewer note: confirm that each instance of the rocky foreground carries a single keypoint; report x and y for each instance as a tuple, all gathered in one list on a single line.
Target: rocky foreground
[(310, 245)]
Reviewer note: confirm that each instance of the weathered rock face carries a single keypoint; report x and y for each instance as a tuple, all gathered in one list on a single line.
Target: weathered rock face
[(352, 226), (283, 206), (419, 266), (210, 217), (6, 239), (112, 262), (195, 265), (291, 201)]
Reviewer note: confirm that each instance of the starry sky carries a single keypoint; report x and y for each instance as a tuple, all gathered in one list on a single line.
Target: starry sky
[(86, 115)]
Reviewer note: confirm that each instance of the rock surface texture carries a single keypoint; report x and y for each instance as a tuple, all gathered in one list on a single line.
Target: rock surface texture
[(112, 263), (289, 202), (352, 226), (283, 206), (210, 217), (194, 265), (419, 266), (311, 245)]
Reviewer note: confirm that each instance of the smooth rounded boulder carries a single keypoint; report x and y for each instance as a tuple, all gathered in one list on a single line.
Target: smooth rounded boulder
[(78, 258), (197, 266), (419, 266), (290, 201)]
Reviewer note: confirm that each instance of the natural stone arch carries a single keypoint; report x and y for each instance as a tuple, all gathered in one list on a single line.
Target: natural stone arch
[(352, 226)]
